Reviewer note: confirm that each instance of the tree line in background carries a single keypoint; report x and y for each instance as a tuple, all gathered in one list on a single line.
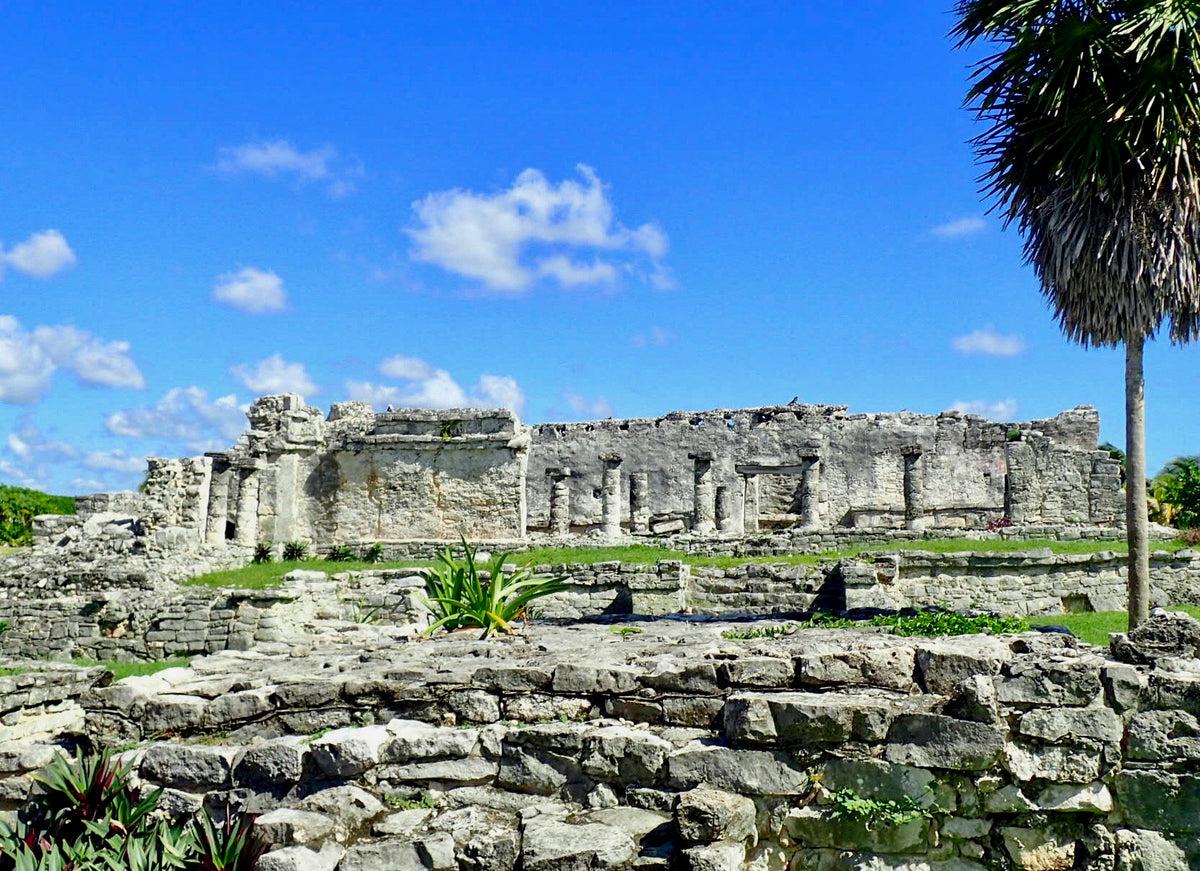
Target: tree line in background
[(18, 507)]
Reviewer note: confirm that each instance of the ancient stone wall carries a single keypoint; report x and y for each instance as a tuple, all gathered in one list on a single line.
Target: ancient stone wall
[(360, 477), (822, 467), (150, 624)]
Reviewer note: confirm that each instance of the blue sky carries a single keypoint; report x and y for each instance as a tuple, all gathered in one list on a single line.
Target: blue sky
[(582, 210)]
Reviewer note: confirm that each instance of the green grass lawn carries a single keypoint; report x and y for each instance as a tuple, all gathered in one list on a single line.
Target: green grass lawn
[(263, 576), (1094, 627), (122, 670), (267, 575)]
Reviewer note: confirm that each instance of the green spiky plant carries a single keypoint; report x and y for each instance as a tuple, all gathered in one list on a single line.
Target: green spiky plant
[(85, 816), (1092, 149), (462, 595)]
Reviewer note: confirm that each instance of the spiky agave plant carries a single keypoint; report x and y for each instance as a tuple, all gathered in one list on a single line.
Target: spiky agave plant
[(230, 845), (1092, 148), (462, 595)]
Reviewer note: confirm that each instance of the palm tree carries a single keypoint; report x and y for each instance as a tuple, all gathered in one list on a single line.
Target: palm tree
[(1093, 150)]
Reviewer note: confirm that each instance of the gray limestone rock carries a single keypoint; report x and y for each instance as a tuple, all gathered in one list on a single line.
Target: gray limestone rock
[(704, 815)]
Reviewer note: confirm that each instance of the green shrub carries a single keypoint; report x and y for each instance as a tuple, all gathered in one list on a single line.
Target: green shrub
[(847, 804), (264, 553), (341, 553), (923, 623), (1177, 490), (295, 552), (374, 553), (18, 507), (86, 815), (461, 597)]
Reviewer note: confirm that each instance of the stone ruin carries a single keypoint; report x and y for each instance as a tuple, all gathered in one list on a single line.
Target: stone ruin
[(653, 716), (361, 477)]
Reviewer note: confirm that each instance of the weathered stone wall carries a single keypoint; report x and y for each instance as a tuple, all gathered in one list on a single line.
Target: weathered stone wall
[(165, 622), (362, 477), (820, 466), (679, 748), (131, 625)]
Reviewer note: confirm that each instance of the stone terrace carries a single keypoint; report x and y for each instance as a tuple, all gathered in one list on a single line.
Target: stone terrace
[(667, 745)]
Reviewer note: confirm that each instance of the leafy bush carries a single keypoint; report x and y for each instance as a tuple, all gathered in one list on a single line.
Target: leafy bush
[(1191, 537), (1177, 491), (374, 553), (1001, 521), (930, 623), (18, 507), (86, 815), (460, 595), (847, 804), (295, 552), (264, 553), (341, 553)]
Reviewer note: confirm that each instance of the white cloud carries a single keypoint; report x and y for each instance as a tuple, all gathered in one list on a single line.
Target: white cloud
[(29, 360), (278, 158), (89, 485), (500, 391), (253, 290), (425, 386), (582, 406), (959, 227), (562, 233), (407, 368), (115, 460), (989, 343), (30, 455), (275, 375), (41, 255), (1003, 410), (655, 337), (19, 475), (184, 415)]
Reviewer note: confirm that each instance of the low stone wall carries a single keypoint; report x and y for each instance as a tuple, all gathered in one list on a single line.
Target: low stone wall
[(676, 747), (145, 625), (185, 621), (39, 701)]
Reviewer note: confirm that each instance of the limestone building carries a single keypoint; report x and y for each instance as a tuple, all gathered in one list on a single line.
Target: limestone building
[(357, 476)]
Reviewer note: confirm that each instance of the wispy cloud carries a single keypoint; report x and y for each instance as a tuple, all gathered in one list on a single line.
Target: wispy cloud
[(278, 158), (654, 337), (29, 360), (252, 290), (275, 375), (959, 227), (1003, 410), (581, 406), (42, 255), (422, 385), (988, 343), (562, 234), (186, 416)]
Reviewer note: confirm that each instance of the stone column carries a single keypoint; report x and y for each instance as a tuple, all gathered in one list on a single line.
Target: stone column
[(218, 507), (727, 520), (750, 503), (610, 496), (914, 488), (560, 501), (246, 530), (704, 499), (639, 502), (287, 486), (810, 492)]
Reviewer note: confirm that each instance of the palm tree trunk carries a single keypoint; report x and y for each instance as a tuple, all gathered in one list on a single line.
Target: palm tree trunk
[(1137, 520)]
